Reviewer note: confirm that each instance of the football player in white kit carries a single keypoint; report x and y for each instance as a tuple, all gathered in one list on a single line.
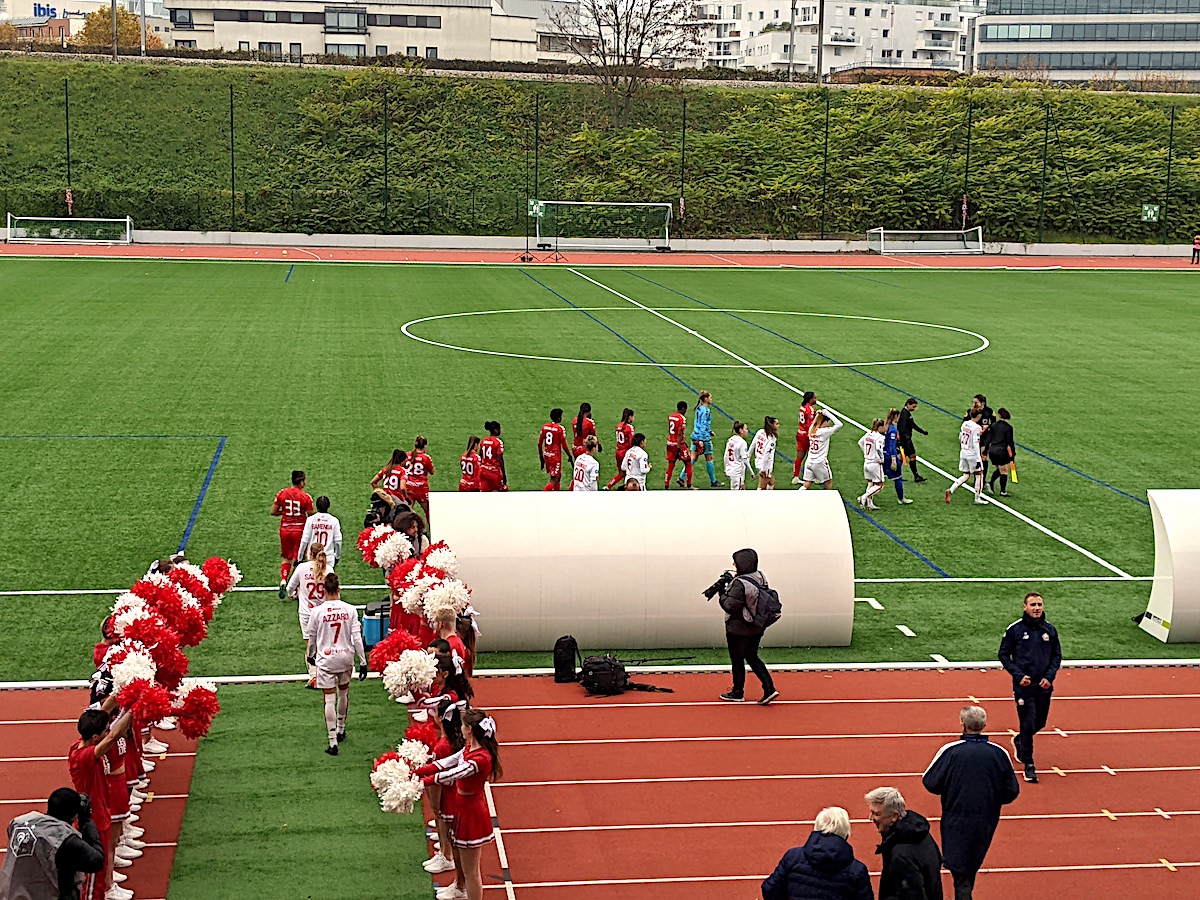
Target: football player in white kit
[(324, 529), (970, 462), (871, 445), (307, 587), (816, 464), (764, 453), (587, 470), (737, 457), (334, 637), (636, 464)]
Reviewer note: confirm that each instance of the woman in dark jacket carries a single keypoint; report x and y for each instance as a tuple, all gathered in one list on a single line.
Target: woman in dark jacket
[(742, 636), (1001, 450), (824, 868)]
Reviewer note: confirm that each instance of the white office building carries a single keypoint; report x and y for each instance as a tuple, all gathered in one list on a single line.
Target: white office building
[(929, 34), (1078, 40)]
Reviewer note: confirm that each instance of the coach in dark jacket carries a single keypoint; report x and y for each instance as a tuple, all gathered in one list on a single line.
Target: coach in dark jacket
[(1031, 653), (824, 868), (912, 863), (741, 634), (974, 778)]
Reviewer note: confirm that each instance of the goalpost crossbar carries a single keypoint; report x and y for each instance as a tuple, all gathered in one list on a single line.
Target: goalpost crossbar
[(602, 225), (886, 241)]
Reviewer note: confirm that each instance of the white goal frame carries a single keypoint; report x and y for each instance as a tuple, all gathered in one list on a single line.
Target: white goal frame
[(68, 232), (886, 241), (655, 241)]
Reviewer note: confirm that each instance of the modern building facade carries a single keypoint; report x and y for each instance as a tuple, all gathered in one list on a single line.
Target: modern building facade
[(1089, 40), (78, 10)]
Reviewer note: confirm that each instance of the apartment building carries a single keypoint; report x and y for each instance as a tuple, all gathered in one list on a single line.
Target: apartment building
[(1078, 40)]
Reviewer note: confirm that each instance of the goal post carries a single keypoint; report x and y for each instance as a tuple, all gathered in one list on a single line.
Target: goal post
[(49, 230), (885, 241), (600, 225)]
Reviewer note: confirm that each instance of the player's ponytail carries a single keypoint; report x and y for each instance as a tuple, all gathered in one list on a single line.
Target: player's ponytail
[(420, 443), (472, 443), (892, 416), (584, 410), (809, 397), (771, 426), (476, 719), (626, 415), (738, 426), (492, 428), (320, 560), (703, 395)]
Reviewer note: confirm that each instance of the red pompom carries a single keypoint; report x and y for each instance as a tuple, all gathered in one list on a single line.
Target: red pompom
[(163, 645), (389, 649), (387, 757), (402, 574), (196, 712), (196, 588), (149, 702), (219, 574), (367, 544), (425, 732)]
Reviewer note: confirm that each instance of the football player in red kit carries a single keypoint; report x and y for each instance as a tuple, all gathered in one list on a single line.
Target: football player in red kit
[(677, 443), (492, 475), (552, 443), (802, 426), (469, 463), (293, 506), (418, 468), (624, 442), (582, 427)]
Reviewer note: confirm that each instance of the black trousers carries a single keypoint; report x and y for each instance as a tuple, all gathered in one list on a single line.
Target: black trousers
[(743, 650), (964, 884), (1033, 709)]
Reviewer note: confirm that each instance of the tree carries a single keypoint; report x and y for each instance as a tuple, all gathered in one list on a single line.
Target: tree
[(8, 33), (628, 44), (97, 30)]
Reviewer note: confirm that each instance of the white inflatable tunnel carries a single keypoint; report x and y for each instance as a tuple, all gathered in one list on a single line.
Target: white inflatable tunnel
[(1173, 613), (620, 570)]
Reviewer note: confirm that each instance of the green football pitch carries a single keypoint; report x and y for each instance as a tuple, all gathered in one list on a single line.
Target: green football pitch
[(151, 403)]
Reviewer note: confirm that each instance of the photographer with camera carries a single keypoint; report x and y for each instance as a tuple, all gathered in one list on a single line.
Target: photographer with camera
[(47, 858), (739, 598)]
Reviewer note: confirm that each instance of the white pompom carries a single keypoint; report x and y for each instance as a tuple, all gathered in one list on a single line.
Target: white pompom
[(137, 664), (415, 753), (412, 670), (450, 592), (443, 558), (392, 549)]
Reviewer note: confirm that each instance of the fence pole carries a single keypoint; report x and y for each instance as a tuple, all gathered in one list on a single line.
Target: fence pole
[(682, 166), (1045, 159), (537, 145), (967, 168), (1170, 156), (232, 170), (114, 25), (386, 128), (67, 108), (825, 165)]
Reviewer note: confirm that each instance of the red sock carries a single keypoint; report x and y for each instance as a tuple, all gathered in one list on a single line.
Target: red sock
[(620, 475), (552, 486), (670, 472), (796, 466), (284, 569)]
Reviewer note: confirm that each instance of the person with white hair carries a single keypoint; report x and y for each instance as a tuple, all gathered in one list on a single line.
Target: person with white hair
[(824, 868), (974, 778), (912, 863)]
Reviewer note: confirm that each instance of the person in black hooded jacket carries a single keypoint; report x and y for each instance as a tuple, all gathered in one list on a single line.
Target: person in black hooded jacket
[(741, 634), (912, 863), (824, 868)]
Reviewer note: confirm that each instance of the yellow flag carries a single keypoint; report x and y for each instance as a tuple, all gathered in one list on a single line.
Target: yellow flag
[(1012, 472)]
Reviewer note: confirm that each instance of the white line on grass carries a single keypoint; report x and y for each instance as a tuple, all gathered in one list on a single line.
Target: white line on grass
[(870, 601), (795, 390), (938, 658), (906, 631), (500, 851)]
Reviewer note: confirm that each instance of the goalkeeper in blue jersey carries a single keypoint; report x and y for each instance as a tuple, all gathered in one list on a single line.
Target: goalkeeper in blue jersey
[(893, 459), (702, 437)]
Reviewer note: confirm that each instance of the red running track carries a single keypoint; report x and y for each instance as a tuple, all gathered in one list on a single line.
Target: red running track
[(593, 258), (674, 796), (36, 730)]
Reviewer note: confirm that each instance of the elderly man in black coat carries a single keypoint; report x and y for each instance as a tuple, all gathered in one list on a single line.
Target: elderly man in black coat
[(974, 778)]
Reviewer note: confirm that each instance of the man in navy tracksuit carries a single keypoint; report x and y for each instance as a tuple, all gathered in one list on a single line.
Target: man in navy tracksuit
[(974, 778), (1031, 653)]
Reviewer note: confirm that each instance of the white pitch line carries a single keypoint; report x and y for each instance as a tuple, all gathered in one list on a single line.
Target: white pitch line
[(796, 776), (500, 851), (938, 658), (795, 390), (870, 601), (708, 738), (906, 631)]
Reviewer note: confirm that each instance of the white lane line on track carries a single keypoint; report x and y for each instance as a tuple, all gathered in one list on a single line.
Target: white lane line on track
[(710, 779), (795, 390), (814, 737), (791, 823), (42, 800), (500, 851), (17, 759)]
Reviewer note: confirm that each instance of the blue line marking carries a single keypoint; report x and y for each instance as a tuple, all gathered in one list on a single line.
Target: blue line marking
[(882, 383), (781, 455), (212, 468), (289, 274)]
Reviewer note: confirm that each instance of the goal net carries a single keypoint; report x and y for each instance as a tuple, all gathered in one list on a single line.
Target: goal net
[(46, 230), (588, 225), (886, 240)]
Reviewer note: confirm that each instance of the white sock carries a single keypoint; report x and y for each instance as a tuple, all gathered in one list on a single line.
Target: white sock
[(872, 490), (979, 484), (343, 706), (959, 482), (331, 718)]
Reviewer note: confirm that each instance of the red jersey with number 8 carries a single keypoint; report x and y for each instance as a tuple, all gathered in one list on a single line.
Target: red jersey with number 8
[(296, 506), (553, 440)]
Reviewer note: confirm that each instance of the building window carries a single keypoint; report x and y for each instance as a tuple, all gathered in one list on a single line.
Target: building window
[(243, 45), (867, 12), (270, 50), (776, 16), (243, 15), (270, 16), (345, 20), (837, 51), (431, 52), (887, 54), (296, 18), (182, 19), (854, 10), (885, 32), (761, 14), (295, 52), (381, 49), (785, 48), (900, 54), (187, 45), (346, 49), (410, 51)]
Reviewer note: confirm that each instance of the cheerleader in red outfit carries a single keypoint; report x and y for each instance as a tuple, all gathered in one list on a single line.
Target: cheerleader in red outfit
[(470, 771), (441, 799), (448, 682)]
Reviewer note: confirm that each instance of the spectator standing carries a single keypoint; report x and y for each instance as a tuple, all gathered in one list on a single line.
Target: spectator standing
[(974, 778), (47, 858), (741, 634), (1196, 249), (912, 863), (906, 426), (824, 868), (1031, 653)]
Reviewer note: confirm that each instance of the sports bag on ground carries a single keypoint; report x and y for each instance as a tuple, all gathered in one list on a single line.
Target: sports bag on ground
[(603, 675), (767, 608), (566, 657)]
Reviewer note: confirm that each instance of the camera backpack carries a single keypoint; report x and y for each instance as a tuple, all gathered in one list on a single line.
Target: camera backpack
[(604, 675), (566, 656), (767, 608)]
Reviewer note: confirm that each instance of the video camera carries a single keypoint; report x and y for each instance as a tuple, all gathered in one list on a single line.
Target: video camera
[(719, 586)]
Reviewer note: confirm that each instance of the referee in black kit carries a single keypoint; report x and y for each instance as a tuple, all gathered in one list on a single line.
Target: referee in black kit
[(906, 426), (1031, 653)]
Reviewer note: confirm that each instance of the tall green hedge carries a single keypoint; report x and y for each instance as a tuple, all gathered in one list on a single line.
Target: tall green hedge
[(153, 142)]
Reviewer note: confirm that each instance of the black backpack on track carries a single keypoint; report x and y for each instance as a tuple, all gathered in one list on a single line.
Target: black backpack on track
[(566, 657), (604, 675)]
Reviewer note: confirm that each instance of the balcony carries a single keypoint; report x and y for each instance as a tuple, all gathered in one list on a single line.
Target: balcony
[(955, 27), (930, 43), (843, 40)]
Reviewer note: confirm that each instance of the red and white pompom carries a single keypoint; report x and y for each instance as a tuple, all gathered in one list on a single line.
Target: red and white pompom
[(195, 587), (412, 597), (148, 701), (412, 670), (450, 593), (196, 706), (425, 732), (398, 789), (129, 661), (125, 602), (222, 575), (439, 556), (389, 649), (369, 539), (391, 550), (403, 573)]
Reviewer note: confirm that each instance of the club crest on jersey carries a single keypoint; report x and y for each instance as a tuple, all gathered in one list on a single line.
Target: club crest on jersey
[(1045, 636)]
